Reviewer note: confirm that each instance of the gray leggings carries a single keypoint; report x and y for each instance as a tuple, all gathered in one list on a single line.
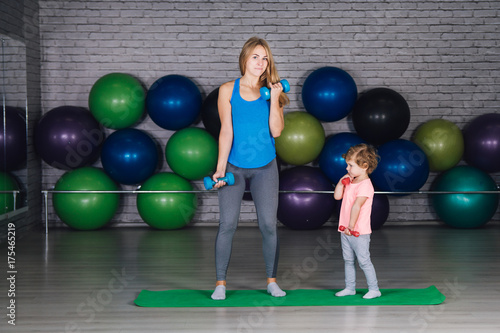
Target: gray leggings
[(264, 182), (358, 248)]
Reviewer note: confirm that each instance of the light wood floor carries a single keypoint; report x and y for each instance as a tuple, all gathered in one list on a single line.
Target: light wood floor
[(73, 281)]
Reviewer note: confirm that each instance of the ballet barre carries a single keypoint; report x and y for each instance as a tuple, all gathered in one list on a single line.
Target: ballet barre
[(138, 191), (15, 193)]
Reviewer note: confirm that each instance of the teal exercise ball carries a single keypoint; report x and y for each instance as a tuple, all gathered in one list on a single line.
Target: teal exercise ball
[(443, 143), (117, 100), (167, 210), (465, 210), (192, 153), (86, 211)]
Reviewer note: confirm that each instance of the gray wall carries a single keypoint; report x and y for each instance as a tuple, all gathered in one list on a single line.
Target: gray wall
[(441, 56)]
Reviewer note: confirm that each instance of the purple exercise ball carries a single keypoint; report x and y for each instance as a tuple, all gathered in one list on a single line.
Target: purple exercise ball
[(68, 137), (303, 211), (12, 140), (482, 142), (380, 211)]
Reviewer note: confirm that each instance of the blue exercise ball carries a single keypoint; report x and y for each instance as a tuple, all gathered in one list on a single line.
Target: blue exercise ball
[(403, 167), (173, 102), (129, 156), (329, 93), (331, 161)]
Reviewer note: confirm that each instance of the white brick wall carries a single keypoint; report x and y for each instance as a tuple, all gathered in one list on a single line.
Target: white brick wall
[(443, 57)]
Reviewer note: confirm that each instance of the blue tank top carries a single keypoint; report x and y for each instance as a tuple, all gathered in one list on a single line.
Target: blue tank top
[(253, 144)]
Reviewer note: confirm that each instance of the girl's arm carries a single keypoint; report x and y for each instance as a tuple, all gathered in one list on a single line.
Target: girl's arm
[(338, 194), (356, 208), (226, 131), (276, 118)]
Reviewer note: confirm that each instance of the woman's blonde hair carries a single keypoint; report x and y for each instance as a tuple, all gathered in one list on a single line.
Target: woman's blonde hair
[(364, 155), (271, 74)]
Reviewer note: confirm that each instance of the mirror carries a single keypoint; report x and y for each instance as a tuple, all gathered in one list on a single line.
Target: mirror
[(13, 128)]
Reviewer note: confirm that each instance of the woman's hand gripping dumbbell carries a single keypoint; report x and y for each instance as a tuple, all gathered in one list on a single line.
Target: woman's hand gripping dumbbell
[(265, 92), (209, 182)]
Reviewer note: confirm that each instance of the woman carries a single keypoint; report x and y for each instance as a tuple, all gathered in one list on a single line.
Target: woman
[(249, 125)]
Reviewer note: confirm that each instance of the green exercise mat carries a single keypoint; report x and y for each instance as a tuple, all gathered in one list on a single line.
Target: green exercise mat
[(299, 297)]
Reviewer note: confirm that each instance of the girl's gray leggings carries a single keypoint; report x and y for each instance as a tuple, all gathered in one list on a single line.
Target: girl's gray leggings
[(264, 186)]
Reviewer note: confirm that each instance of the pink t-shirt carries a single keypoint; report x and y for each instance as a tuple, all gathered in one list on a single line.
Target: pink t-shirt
[(351, 192)]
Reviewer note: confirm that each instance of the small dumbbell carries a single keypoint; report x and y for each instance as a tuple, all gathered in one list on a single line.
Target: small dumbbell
[(354, 233), (346, 181), (266, 93), (209, 182)]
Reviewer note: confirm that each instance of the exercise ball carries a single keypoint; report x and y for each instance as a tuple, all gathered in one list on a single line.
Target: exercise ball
[(482, 142), (403, 167), (117, 100), (68, 137), (380, 210), (442, 142), (192, 153), (462, 210), (85, 211), (12, 140), (380, 115), (210, 114), (331, 161), (304, 210), (129, 156), (301, 140), (7, 183), (173, 102), (167, 210), (247, 196), (329, 93)]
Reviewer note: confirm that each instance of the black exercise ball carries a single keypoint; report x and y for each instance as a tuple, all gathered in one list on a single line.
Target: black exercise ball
[(380, 115), (210, 114)]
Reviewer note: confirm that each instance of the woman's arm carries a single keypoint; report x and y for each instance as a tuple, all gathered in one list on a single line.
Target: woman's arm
[(276, 119), (226, 131)]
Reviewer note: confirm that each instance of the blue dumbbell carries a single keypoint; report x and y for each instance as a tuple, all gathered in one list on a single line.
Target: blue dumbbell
[(209, 183), (266, 93)]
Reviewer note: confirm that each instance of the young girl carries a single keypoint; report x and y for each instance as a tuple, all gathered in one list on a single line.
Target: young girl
[(249, 125), (356, 191)]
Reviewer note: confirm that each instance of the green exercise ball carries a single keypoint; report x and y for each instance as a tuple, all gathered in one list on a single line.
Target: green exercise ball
[(7, 183), (85, 211), (117, 100), (442, 141), (167, 210), (465, 210), (192, 153), (302, 139)]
